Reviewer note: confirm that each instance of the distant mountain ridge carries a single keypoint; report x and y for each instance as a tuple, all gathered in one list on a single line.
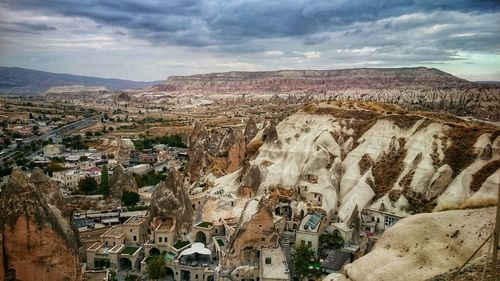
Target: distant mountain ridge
[(16, 80), (318, 80)]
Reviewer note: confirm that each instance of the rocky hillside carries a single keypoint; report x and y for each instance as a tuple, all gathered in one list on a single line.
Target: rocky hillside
[(37, 242), (409, 163), (433, 244), (338, 158), (319, 80), (419, 87)]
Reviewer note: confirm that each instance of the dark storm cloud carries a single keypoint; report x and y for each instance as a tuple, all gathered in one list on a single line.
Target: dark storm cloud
[(179, 22), (208, 35)]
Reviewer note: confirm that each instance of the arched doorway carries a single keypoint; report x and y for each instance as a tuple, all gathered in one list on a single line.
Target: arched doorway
[(154, 252), (170, 273), (201, 237), (210, 278), (125, 264)]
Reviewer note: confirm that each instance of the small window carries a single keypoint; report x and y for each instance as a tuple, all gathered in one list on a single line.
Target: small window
[(216, 231), (159, 239), (196, 276), (268, 260), (135, 238), (131, 230), (309, 243), (263, 239)]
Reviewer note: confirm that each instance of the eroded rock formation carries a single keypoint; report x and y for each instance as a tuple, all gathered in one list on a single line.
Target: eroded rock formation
[(37, 242), (197, 150), (50, 189), (250, 130), (170, 200), (255, 230), (121, 181)]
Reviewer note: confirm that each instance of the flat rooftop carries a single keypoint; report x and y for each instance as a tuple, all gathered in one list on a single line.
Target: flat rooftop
[(277, 269), (96, 275), (135, 221), (165, 225), (311, 222), (115, 232)]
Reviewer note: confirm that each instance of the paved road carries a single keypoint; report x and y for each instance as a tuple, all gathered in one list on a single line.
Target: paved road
[(64, 130)]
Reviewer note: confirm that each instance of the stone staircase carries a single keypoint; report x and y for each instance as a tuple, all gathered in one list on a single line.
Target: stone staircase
[(287, 239), (226, 274)]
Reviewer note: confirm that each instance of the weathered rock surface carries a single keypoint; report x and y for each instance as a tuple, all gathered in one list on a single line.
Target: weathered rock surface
[(37, 242), (197, 150), (270, 134), (255, 230), (486, 153), (50, 189), (433, 244), (418, 87), (439, 182), (121, 181), (170, 200), (250, 181), (250, 130)]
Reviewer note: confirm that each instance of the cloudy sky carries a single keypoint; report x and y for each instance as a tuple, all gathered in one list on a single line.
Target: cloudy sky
[(150, 40)]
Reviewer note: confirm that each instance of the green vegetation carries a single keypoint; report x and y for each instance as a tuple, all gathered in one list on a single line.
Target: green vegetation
[(150, 178), (129, 250), (205, 224), (130, 198), (5, 171), (220, 242), (148, 143), (304, 262), (132, 277), (169, 256), (156, 268), (172, 141), (104, 184), (181, 244), (87, 185), (141, 144), (74, 142), (331, 241)]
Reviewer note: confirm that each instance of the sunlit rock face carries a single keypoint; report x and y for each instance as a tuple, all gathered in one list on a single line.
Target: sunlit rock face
[(37, 242)]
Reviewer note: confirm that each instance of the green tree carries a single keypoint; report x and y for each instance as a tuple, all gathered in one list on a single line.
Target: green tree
[(104, 184), (302, 259), (54, 166), (87, 185), (132, 277), (130, 198), (156, 268)]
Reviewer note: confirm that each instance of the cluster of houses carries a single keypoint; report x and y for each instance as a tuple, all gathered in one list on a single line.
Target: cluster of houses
[(159, 154), (211, 247)]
